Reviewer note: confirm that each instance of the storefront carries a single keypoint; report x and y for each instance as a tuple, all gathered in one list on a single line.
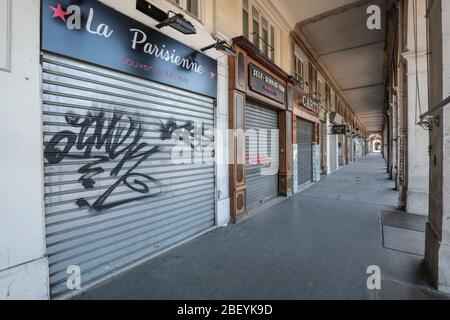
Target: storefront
[(307, 136), (128, 119), (260, 96)]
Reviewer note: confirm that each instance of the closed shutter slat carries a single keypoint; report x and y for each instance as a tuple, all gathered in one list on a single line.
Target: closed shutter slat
[(182, 201), (304, 141), (261, 188)]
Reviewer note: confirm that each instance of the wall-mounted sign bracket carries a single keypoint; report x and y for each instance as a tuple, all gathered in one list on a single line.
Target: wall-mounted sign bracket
[(151, 10)]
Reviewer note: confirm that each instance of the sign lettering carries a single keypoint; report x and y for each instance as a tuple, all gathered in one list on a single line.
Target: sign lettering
[(266, 85), (93, 32), (310, 104), (339, 129)]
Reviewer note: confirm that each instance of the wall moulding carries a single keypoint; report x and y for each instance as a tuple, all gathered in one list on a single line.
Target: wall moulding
[(5, 34)]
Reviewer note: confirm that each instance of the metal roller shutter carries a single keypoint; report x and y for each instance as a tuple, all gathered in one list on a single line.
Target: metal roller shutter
[(304, 141), (262, 158), (112, 195)]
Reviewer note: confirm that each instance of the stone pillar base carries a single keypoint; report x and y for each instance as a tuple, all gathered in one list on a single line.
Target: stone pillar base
[(27, 281), (417, 203), (437, 257)]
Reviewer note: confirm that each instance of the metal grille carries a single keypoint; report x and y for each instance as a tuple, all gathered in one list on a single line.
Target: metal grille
[(113, 193), (262, 153), (304, 141)]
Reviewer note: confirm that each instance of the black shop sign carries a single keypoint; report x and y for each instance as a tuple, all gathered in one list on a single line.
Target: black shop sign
[(339, 129), (266, 85), (93, 32)]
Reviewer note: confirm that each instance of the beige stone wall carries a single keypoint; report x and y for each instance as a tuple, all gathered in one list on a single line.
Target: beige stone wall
[(418, 138)]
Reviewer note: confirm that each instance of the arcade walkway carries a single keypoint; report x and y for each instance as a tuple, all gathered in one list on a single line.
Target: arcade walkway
[(316, 245)]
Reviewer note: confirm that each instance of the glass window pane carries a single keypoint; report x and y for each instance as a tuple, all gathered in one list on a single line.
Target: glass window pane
[(265, 36), (255, 27), (192, 7)]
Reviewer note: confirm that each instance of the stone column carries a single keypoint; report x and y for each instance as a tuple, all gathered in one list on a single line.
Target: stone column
[(417, 141), (402, 140), (437, 253), (285, 177), (394, 137)]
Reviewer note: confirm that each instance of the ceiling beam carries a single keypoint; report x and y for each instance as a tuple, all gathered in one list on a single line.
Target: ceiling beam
[(334, 12), (368, 44), (365, 87)]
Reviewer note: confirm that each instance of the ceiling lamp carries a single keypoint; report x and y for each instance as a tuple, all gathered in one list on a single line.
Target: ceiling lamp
[(222, 46), (178, 22)]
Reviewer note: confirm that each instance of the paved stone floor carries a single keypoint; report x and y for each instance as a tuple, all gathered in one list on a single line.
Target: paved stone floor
[(316, 245)]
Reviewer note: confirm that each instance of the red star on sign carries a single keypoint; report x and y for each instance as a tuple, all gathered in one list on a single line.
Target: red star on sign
[(58, 12), (212, 75)]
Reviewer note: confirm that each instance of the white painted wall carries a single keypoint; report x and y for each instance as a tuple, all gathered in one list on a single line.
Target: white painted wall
[(222, 176), (334, 162), (23, 265)]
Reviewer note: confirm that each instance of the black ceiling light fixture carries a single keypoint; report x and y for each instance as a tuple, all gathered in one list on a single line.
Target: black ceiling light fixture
[(165, 19), (151, 10), (222, 46), (178, 22)]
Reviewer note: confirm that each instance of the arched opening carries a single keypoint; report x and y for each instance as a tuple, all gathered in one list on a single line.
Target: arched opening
[(377, 146), (375, 143)]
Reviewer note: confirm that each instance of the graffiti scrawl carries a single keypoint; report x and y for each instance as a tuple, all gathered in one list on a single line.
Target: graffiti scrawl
[(115, 140)]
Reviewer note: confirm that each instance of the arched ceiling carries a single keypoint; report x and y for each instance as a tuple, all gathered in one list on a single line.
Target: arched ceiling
[(352, 54)]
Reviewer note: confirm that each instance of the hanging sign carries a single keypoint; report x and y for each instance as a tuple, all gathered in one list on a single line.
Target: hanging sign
[(93, 32), (339, 129), (263, 83)]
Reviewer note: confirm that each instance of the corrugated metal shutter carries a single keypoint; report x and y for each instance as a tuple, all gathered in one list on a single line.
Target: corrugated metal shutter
[(112, 195), (263, 157), (304, 141)]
